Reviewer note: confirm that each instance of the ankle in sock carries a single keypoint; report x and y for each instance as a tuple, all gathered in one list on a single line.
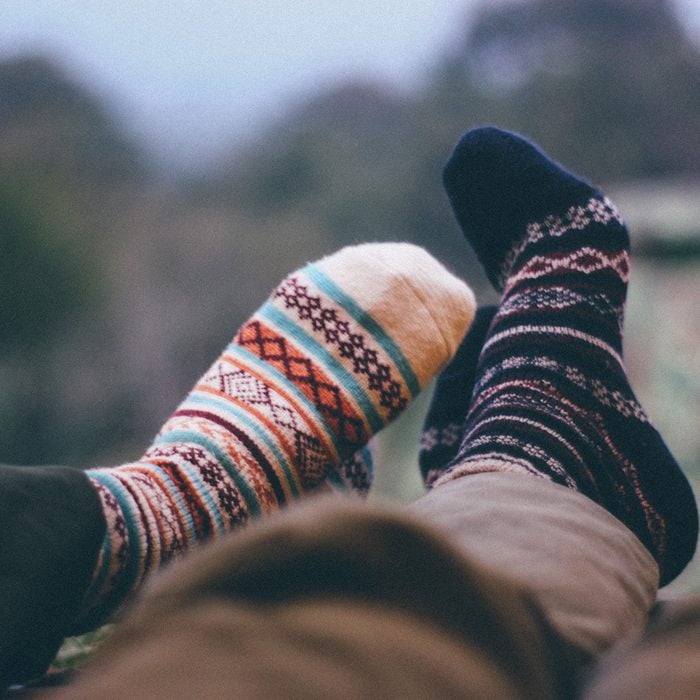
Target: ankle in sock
[(338, 351), (444, 423), (551, 396)]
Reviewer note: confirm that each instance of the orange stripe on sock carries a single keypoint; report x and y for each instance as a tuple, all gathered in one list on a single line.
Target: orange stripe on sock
[(155, 472), (301, 410), (248, 338)]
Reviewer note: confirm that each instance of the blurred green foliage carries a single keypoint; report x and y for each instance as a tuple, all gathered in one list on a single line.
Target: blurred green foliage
[(43, 278), (56, 128)]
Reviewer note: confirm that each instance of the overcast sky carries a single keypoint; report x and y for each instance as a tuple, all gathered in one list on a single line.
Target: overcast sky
[(191, 74)]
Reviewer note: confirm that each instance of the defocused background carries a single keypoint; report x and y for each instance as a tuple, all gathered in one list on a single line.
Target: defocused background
[(163, 165)]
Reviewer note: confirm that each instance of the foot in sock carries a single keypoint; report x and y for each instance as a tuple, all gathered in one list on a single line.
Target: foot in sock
[(444, 423), (339, 350), (551, 396)]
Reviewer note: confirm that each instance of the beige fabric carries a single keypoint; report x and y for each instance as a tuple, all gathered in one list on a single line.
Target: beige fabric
[(334, 600), (665, 663), (339, 600), (214, 649), (590, 574)]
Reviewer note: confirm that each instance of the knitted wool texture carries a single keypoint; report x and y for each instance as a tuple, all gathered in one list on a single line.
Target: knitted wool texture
[(339, 350), (551, 396), (443, 427)]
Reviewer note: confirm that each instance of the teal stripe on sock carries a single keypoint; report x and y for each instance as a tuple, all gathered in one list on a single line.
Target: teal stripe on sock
[(314, 348), (222, 457), (199, 485), (368, 459), (133, 526), (290, 387), (329, 287), (92, 594), (239, 414)]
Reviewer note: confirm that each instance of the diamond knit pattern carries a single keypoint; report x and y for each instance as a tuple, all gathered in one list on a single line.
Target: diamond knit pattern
[(350, 345), (326, 395)]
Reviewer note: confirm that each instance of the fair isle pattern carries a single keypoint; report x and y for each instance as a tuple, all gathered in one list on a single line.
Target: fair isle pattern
[(340, 420), (446, 435), (561, 298), (445, 420), (539, 405), (326, 322), (437, 445), (597, 210), (613, 399), (302, 387), (354, 476)]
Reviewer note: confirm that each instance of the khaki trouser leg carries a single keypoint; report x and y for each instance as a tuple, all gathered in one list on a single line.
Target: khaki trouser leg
[(591, 576)]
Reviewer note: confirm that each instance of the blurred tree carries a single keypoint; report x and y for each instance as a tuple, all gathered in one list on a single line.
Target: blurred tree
[(610, 86), (56, 128), (361, 161), (42, 279), (46, 285), (62, 160)]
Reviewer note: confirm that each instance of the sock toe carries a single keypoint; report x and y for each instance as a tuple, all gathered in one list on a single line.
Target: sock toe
[(497, 183), (422, 308)]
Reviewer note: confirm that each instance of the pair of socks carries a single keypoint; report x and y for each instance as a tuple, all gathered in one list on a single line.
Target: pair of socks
[(538, 386), (339, 350)]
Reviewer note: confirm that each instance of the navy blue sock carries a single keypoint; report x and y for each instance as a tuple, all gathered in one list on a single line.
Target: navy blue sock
[(497, 187), (551, 396), (444, 423)]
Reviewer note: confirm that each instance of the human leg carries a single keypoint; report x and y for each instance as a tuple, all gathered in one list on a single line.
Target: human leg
[(341, 599), (590, 576), (51, 529), (339, 350), (567, 477), (322, 366), (552, 397)]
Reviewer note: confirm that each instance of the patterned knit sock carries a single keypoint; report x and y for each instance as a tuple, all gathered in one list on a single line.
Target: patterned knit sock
[(552, 398), (354, 475), (444, 423), (338, 351)]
